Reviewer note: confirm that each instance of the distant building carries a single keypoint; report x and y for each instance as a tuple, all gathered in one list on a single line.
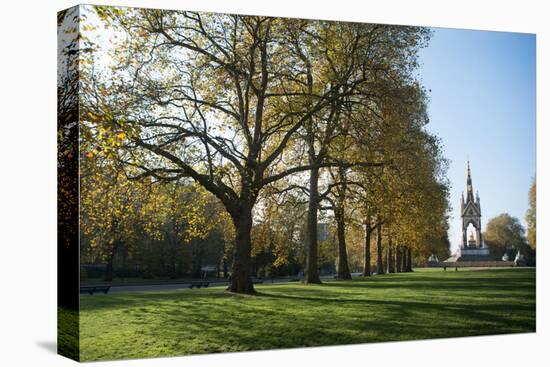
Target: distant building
[(472, 250), (470, 212)]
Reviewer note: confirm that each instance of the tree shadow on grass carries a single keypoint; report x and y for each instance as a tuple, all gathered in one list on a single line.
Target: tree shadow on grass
[(232, 327), (289, 316)]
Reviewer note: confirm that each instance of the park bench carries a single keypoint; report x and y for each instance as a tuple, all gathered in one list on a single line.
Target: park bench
[(199, 285), (91, 289)]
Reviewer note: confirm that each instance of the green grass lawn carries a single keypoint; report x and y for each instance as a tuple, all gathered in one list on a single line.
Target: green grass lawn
[(67, 332), (420, 305)]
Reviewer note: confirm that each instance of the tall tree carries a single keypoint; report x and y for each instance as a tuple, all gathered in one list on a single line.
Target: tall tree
[(505, 234), (238, 103), (338, 206), (390, 260), (216, 98), (379, 255), (369, 228)]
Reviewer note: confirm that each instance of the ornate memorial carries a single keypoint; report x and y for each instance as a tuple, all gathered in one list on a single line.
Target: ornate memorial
[(472, 250), (470, 210)]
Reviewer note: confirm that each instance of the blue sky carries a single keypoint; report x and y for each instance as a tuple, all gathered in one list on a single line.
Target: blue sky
[(482, 105)]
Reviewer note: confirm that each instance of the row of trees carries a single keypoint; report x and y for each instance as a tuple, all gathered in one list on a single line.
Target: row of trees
[(161, 229), (274, 120)]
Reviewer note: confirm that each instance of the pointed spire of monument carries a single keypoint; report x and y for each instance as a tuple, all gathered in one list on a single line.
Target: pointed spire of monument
[(469, 188)]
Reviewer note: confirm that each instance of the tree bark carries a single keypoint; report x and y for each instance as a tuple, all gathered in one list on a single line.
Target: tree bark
[(398, 261), (241, 280), (408, 260), (343, 267), (366, 260), (311, 272), (390, 259), (404, 260), (379, 262)]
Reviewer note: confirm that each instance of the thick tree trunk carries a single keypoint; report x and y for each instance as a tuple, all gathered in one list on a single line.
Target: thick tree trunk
[(407, 263), (241, 280), (311, 272), (404, 260), (398, 261), (390, 259), (343, 267), (379, 262), (366, 260)]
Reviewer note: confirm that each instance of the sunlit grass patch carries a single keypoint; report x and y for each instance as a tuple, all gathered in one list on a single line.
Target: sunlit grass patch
[(419, 305)]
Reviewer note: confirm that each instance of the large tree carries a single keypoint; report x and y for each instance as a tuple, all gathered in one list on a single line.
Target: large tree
[(216, 98), (504, 234), (356, 57), (238, 103)]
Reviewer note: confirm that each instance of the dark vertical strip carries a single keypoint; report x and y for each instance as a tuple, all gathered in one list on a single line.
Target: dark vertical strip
[(68, 184)]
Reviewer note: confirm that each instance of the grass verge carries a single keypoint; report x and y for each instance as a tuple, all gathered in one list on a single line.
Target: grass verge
[(420, 305)]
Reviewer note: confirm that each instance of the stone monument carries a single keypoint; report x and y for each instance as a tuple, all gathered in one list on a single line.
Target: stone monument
[(472, 247), (472, 250)]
